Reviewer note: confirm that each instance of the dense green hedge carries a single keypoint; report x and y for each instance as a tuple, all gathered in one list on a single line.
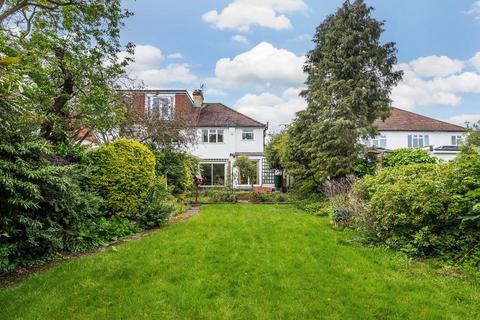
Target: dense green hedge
[(425, 209), (124, 172), (402, 157)]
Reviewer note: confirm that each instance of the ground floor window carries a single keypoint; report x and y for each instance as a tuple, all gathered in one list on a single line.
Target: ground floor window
[(213, 174), (244, 180)]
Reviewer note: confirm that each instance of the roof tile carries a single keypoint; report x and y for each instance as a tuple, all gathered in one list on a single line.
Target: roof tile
[(401, 120), (219, 115)]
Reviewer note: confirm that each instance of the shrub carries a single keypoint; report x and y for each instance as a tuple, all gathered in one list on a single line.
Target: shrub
[(179, 169), (159, 206), (420, 209), (124, 172), (222, 195), (367, 164), (406, 156), (268, 197), (321, 209), (42, 223), (101, 231)]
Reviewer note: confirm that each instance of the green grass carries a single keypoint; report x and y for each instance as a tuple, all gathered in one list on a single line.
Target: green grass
[(243, 262)]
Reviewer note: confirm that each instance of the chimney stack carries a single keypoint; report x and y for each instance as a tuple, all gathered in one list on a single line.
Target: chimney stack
[(198, 97)]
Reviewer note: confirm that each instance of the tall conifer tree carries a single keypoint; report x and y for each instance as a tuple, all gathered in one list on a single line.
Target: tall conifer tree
[(350, 77)]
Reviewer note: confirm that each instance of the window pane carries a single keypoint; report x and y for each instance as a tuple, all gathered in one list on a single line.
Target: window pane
[(219, 135), (415, 141), (247, 135), (205, 135), (212, 138), (383, 142), (218, 174), (410, 144), (207, 174), (454, 140), (425, 141)]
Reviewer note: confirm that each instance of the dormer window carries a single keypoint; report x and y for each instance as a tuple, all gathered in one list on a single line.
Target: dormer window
[(160, 106), (247, 134)]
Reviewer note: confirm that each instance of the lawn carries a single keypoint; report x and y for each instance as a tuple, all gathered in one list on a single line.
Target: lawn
[(243, 262)]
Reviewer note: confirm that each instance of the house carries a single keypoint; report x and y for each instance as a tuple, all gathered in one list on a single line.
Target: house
[(404, 129), (223, 134)]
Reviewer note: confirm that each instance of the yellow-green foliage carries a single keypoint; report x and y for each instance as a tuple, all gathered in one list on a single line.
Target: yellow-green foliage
[(124, 172)]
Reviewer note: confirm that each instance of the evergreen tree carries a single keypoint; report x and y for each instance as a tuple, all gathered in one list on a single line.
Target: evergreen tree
[(350, 77)]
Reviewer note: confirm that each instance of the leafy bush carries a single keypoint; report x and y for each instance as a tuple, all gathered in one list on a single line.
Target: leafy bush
[(159, 206), (100, 231), (179, 169), (42, 221), (423, 209), (321, 209), (268, 197), (367, 164), (222, 195), (406, 156), (123, 174)]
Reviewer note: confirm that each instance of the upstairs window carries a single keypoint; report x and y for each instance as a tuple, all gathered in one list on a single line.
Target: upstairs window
[(379, 142), (160, 106), (212, 135), (457, 140), (418, 140), (247, 134)]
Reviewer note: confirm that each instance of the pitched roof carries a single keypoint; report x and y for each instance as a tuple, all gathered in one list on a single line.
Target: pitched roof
[(219, 115), (401, 120)]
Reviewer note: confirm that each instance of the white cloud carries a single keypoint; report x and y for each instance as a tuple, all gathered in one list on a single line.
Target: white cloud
[(267, 107), (240, 39), (475, 10), (145, 57), (176, 55), (262, 66), (241, 15), (475, 61), (435, 81), (435, 66), (147, 68), (463, 118)]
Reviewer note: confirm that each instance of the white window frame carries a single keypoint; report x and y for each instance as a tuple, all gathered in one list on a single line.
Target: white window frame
[(418, 140), (379, 142), (248, 131), (211, 173), (258, 162), (457, 140), (164, 112), (211, 132)]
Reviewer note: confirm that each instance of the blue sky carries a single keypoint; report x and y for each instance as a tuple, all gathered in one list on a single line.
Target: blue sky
[(249, 53)]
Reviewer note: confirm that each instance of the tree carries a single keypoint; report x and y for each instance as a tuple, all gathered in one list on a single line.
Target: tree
[(247, 169), (68, 51), (176, 132), (275, 150), (350, 77)]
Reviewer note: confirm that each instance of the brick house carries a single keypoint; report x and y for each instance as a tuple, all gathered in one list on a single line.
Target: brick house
[(223, 134)]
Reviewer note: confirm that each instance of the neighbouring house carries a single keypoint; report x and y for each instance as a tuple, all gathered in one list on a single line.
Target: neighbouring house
[(223, 134), (404, 129)]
